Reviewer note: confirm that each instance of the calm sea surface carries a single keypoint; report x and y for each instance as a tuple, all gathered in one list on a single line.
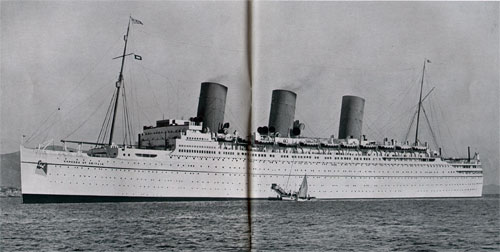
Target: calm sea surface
[(342, 225)]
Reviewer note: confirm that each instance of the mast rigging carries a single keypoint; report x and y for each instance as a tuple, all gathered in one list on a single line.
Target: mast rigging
[(420, 101)]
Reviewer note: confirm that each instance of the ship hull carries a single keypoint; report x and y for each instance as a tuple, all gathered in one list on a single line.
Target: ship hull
[(63, 177), (47, 198)]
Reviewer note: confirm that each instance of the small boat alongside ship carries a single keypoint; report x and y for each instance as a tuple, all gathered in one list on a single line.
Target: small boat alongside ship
[(300, 195)]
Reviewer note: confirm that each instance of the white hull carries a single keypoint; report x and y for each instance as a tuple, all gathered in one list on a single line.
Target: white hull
[(225, 176)]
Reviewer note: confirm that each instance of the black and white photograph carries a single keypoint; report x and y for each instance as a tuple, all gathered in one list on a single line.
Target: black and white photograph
[(249, 125)]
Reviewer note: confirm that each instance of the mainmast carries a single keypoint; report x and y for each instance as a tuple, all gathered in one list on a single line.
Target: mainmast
[(420, 101)]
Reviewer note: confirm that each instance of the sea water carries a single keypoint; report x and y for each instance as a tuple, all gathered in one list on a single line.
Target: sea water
[(338, 225)]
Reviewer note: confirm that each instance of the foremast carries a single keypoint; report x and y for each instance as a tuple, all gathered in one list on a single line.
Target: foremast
[(119, 83)]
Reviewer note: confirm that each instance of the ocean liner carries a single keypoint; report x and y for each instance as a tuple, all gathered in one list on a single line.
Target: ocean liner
[(199, 159)]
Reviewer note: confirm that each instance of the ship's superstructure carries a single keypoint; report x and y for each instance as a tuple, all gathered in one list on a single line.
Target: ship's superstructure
[(200, 159)]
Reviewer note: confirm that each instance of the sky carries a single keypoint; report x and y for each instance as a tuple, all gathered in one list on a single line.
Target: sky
[(57, 71)]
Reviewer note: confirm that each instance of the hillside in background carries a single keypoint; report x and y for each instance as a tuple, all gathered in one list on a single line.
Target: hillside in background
[(10, 170), (491, 189)]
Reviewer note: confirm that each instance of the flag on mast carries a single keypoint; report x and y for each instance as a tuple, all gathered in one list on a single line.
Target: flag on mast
[(135, 21)]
